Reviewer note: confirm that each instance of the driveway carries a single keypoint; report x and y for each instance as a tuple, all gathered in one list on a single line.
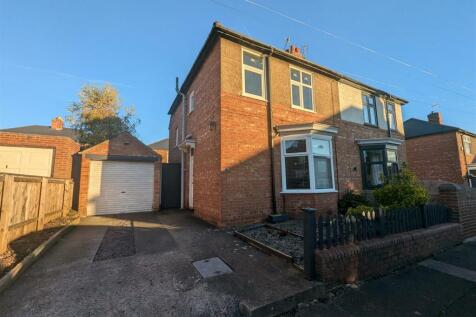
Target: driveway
[(444, 286), (141, 265)]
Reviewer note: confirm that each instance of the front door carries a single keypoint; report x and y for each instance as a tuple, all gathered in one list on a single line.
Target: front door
[(190, 180)]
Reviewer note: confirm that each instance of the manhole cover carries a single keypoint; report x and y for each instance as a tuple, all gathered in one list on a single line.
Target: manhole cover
[(211, 267)]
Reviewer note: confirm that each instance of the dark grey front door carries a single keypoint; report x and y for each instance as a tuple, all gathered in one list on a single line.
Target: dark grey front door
[(170, 186)]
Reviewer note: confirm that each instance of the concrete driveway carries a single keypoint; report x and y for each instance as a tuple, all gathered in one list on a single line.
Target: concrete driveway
[(141, 265)]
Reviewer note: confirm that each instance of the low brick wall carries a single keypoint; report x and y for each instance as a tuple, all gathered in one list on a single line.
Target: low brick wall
[(376, 257)]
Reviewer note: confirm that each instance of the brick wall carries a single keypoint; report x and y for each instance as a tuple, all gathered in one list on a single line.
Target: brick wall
[(126, 145), (376, 257), (64, 149), (466, 159), (435, 157), (164, 155)]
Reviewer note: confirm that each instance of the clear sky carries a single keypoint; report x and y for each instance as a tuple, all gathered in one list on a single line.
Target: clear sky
[(424, 51)]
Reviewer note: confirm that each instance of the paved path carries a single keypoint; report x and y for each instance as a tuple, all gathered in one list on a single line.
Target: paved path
[(141, 265), (444, 286)]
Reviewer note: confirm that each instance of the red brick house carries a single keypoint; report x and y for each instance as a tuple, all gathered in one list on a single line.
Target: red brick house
[(259, 130), (38, 150), (120, 175), (161, 148), (438, 152)]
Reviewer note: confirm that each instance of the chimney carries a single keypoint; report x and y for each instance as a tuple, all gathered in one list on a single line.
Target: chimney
[(57, 123), (294, 50), (435, 118)]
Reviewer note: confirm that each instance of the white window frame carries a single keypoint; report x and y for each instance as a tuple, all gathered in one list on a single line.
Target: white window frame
[(391, 105), (467, 141), (191, 102), (365, 107), (176, 136), (301, 90), (261, 72), (310, 157)]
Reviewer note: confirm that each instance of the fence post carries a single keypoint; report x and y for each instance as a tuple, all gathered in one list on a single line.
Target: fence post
[(309, 243), (382, 222), (40, 222), (67, 197), (6, 210)]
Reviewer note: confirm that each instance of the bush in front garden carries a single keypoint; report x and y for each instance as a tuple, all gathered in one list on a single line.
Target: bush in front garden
[(402, 191), (351, 199), (359, 211)]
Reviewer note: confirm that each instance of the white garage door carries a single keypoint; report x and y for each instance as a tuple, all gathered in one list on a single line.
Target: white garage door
[(120, 187), (26, 160)]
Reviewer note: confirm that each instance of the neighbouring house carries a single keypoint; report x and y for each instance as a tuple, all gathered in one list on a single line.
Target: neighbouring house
[(439, 152), (120, 175), (259, 130), (161, 148), (39, 150)]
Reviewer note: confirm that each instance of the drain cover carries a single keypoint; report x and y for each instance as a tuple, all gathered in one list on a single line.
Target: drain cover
[(211, 267)]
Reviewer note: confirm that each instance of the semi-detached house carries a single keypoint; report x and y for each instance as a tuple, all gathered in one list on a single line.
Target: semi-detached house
[(259, 130)]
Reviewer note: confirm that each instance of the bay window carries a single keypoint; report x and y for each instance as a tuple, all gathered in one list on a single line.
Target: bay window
[(253, 75), (378, 164), (307, 164)]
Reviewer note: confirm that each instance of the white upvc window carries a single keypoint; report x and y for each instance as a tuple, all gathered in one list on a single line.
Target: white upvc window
[(467, 144), (307, 164), (370, 109), (392, 118), (301, 89), (176, 136), (191, 102), (253, 74)]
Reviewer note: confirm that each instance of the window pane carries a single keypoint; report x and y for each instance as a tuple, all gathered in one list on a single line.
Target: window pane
[(253, 83), (306, 79), (373, 116), (252, 60), (295, 75), (297, 172), (371, 156), (371, 100), (295, 146), (392, 156), (321, 147), (366, 114), (322, 172), (375, 175), (392, 169), (296, 95), (391, 119), (307, 97)]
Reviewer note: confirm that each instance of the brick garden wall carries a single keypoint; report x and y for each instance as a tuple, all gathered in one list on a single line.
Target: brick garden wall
[(376, 257), (64, 149)]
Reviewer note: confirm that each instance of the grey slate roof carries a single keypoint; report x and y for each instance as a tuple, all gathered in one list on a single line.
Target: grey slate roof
[(162, 144), (416, 127), (43, 130)]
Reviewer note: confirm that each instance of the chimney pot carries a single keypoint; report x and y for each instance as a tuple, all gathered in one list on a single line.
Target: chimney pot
[(57, 123), (294, 50), (435, 118)]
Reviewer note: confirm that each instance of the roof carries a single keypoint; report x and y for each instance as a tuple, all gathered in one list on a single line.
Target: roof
[(124, 145), (44, 130), (219, 31), (415, 128), (161, 144)]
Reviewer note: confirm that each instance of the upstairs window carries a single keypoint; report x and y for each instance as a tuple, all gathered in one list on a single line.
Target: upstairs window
[(392, 118), (253, 75), (370, 110), (307, 164), (191, 102), (301, 89), (467, 144)]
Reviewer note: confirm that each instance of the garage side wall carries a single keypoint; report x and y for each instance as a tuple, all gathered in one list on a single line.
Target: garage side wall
[(64, 149)]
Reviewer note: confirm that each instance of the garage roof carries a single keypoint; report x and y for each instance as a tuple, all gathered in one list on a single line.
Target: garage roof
[(43, 130)]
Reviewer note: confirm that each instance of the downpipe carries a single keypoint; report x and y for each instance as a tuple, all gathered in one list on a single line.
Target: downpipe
[(182, 154)]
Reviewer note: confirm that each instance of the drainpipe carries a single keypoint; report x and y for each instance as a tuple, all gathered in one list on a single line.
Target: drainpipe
[(270, 130), (385, 98), (182, 154)]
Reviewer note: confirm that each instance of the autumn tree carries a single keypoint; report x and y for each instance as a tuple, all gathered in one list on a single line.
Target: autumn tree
[(99, 115)]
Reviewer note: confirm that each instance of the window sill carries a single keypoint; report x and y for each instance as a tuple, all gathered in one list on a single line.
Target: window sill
[(253, 96), (302, 109), (304, 191)]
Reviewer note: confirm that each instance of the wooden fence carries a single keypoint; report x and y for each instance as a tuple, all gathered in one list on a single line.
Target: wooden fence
[(29, 202), (339, 230)]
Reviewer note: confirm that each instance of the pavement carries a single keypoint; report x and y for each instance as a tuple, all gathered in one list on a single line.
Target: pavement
[(141, 265), (443, 286)]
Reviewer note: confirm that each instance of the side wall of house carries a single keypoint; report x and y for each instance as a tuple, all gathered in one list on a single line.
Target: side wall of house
[(64, 149), (435, 157), (466, 160), (202, 126)]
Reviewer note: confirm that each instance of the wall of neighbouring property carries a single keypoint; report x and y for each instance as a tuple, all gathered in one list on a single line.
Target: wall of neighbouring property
[(64, 149), (28, 202), (376, 257), (462, 201)]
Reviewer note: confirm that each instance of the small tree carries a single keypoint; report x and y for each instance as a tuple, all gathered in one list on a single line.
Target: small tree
[(99, 115), (403, 190)]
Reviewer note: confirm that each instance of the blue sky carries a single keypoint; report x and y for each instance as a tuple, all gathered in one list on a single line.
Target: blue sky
[(424, 51)]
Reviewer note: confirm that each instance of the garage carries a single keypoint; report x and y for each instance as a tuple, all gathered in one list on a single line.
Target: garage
[(117, 187), (26, 160)]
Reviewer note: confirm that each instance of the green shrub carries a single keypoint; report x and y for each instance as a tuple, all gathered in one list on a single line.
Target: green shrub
[(402, 191), (350, 200), (359, 210)]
